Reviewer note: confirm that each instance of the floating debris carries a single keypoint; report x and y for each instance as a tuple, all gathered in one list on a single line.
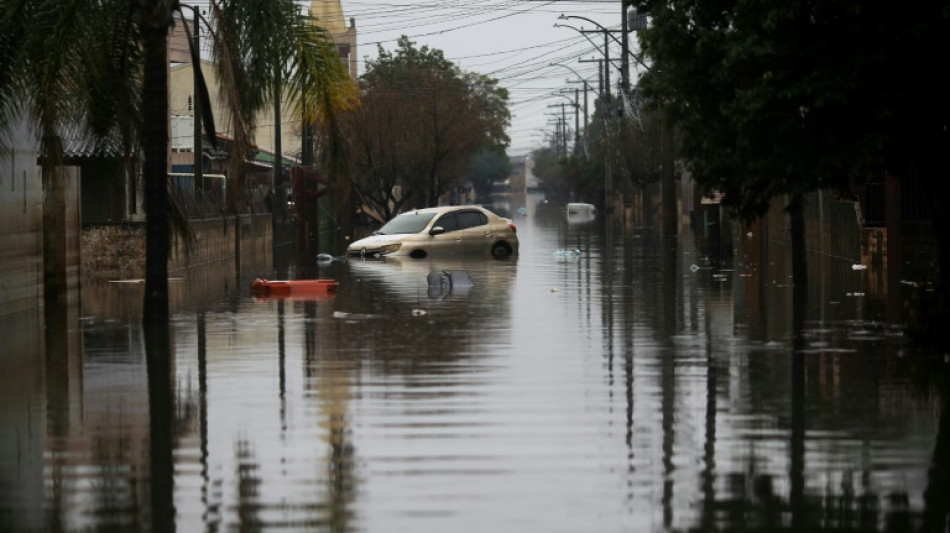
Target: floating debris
[(354, 316), (563, 255), (327, 258), (297, 289)]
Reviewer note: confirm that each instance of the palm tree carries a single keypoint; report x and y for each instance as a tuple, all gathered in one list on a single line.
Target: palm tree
[(116, 83)]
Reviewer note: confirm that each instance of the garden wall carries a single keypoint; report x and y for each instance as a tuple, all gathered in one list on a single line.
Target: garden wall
[(117, 251)]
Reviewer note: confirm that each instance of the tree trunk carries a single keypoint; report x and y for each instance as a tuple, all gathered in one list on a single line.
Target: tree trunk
[(797, 236), (941, 226), (669, 183), (54, 228), (155, 137)]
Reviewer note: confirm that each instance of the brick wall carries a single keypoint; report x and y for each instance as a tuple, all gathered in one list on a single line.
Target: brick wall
[(117, 251)]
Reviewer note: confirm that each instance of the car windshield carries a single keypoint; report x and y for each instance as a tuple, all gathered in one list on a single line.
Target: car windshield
[(412, 222)]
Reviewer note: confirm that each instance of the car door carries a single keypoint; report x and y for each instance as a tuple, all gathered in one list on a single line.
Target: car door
[(476, 234), (447, 242)]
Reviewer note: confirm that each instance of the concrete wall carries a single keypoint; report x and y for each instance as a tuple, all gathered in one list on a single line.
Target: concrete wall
[(117, 251), (21, 223)]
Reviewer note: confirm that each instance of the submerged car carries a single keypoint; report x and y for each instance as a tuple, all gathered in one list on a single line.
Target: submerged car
[(437, 231)]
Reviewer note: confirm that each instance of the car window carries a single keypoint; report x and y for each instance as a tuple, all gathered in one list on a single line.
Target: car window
[(448, 222), (471, 219), (411, 222)]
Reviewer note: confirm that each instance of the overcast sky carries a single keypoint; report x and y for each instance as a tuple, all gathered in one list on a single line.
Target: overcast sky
[(513, 41)]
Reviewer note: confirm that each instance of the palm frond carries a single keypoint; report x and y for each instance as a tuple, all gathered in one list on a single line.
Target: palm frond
[(319, 85), (232, 79)]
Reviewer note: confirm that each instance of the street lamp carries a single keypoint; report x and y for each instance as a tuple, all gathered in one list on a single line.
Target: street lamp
[(607, 33), (582, 31), (586, 84), (634, 23), (605, 52)]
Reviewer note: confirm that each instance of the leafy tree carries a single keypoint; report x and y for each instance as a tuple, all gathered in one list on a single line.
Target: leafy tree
[(117, 81), (776, 98), (490, 166), (551, 175), (422, 121), (579, 175), (640, 158)]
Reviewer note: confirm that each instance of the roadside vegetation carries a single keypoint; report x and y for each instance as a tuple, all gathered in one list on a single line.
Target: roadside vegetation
[(772, 100), (422, 124)]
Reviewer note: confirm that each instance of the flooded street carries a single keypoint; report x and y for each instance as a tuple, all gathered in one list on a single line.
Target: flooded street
[(627, 385)]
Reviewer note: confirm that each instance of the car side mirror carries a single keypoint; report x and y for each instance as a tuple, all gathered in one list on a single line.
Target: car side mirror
[(437, 230)]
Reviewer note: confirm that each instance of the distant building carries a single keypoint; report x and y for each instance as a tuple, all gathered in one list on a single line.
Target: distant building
[(330, 15), (517, 180)]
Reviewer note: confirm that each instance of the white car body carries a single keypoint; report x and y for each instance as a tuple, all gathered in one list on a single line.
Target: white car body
[(438, 231)]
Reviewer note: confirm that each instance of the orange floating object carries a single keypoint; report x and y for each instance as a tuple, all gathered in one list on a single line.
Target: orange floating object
[(295, 289)]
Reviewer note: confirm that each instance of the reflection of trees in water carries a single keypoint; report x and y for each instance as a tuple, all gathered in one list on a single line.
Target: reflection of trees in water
[(248, 487), (821, 380), (749, 501), (340, 475), (329, 382)]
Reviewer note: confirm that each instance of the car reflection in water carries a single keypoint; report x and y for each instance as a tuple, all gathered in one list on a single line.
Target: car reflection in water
[(390, 302), (436, 278)]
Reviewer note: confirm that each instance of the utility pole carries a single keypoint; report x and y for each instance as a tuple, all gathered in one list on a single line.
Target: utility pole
[(277, 191), (564, 137), (605, 110), (560, 130), (577, 126), (586, 86), (607, 105), (600, 74), (624, 50), (198, 148)]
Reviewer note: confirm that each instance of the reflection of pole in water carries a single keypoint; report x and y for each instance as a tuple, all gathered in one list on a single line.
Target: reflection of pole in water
[(161, 411), (608, 291), (310, 337), (937, 495), (282, 363), (629, 325), (59, 405), (797, 445), (203, 414), (668, 372), (56, 329), (709, 445)]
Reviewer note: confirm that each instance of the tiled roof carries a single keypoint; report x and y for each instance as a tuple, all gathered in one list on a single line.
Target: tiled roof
[(79, 143)]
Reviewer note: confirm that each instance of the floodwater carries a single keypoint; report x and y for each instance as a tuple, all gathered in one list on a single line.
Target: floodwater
[(629, 385)]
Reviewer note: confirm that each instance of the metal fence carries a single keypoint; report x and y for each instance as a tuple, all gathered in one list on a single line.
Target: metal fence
[(209, 198)]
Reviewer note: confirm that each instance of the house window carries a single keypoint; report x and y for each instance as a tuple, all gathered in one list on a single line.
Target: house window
[(182, 133)]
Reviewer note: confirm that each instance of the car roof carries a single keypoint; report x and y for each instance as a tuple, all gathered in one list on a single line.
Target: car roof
[(444, 208)]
